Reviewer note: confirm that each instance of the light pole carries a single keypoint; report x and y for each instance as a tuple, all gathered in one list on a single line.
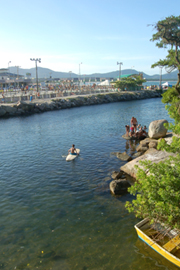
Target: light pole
[(80, 74), (119, 63), (9, 72), (17, 75), (160, 81), (36, 60), (70, 77), (8, 65)]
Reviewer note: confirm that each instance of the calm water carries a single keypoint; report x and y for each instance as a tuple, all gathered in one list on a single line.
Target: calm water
[(148, 83), (60, 215)]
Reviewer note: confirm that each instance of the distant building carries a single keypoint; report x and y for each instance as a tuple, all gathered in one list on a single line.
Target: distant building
[(8, 79)]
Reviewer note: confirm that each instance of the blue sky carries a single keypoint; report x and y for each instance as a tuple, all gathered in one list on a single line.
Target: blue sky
[(97, 33)]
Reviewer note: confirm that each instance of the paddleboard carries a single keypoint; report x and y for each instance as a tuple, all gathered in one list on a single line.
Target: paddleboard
[(71, 157)]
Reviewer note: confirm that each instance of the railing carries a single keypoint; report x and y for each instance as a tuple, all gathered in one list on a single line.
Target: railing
[(16, 95)]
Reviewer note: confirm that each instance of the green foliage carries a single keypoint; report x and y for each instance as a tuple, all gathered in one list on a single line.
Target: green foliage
[(158, 196), (169, 62), (132, 81), (168, 32), (173, 148), (157, 188), (171, 98)]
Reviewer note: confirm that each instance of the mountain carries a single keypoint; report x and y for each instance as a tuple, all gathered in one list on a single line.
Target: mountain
[(47, 73)]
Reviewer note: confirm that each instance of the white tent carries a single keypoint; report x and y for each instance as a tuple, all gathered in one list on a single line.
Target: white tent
[(106, 82), (165, 84)]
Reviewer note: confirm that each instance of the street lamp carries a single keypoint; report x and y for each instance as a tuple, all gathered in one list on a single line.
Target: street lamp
[(8, 64), (79, 73), (70, 77), (160, 81), (17, 75), (119, 63), (9, 72), (36, 60)]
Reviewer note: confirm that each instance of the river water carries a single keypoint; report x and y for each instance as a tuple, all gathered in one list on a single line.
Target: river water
[(60, 215)]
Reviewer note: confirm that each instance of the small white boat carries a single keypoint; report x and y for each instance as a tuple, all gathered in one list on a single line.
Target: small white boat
[(168, 245), (72, 156)]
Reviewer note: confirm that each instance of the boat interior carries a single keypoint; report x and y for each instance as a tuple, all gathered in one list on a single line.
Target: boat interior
[(163, 236)]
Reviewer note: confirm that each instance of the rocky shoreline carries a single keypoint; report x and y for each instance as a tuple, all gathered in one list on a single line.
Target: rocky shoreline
[(40, 106), (146, 150)]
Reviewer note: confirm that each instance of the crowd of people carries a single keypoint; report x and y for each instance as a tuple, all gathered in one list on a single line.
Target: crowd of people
[(135, 131)]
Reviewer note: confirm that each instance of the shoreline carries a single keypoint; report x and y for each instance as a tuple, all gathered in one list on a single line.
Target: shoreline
[(22, 108)]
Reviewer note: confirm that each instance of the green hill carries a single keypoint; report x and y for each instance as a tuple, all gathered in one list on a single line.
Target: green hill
[(47, 73)]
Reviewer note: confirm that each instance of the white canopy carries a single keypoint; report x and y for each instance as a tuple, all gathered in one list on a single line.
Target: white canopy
[(106, 82), (165, 84)]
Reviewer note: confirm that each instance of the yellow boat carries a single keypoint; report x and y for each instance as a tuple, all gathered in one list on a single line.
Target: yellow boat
[(165, 242)]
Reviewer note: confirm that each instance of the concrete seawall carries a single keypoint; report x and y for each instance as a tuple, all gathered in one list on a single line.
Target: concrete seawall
[(42, 105)]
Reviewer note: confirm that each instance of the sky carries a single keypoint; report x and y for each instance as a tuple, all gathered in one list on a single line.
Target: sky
[(96, 33)]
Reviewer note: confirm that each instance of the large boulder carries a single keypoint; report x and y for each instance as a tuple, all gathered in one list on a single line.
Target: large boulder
[(118, 187), (157, 129)]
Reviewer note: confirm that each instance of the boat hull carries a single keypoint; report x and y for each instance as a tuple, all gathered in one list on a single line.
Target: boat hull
[(167, 255)]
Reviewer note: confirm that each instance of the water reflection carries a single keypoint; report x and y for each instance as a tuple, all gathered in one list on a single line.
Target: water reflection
[(131, 146)]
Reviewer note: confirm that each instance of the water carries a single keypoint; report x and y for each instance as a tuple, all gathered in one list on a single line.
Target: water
[(149, 83), (61, 215)]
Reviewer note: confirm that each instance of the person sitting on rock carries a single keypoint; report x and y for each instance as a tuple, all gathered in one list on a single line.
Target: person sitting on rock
[(144, 128), (142, 134)]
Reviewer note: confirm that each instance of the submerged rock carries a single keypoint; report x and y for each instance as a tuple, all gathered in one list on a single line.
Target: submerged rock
[(122, 156), (118, 187), (116, 175)]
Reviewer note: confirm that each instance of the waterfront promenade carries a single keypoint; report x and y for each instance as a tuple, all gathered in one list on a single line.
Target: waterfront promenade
[(46, 94)]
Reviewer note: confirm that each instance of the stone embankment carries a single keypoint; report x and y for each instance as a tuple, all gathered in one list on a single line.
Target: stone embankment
[(39, 106)]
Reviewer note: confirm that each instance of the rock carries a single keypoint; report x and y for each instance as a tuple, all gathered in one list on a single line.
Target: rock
[(151, 151), (145, 142), (155, 156), (9, 109), (153, 144), (138, 154), (126, 137), (141, 148), (123, 156), (116, 175), (157, 129), (2, 111), (118, 187)]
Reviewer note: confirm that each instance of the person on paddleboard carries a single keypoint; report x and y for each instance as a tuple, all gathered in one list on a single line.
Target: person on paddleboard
[(72, 150)]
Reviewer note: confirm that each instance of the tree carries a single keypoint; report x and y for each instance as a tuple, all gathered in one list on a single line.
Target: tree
[(132, 81), (168, 34), (157, 188)]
